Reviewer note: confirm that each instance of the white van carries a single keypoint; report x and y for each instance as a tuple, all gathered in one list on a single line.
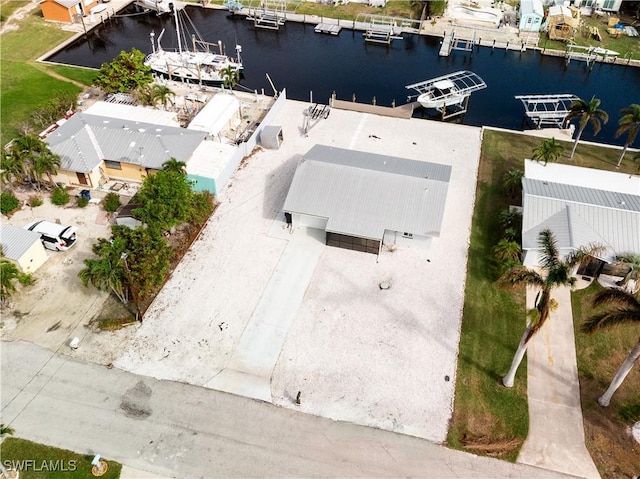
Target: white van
[(54, 236)]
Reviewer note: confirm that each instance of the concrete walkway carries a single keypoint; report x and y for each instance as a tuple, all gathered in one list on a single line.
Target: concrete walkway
[(556, 431), (172, 429), (254, 357)]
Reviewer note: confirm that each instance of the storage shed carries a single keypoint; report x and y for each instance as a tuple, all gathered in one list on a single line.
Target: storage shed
[(563, 22), (216, 115), (66, 10), (22, 246), (531, 15), (363, 200), (271, 137)]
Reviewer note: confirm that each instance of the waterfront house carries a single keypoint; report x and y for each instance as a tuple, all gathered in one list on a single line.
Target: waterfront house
[(581, 206), (590, 5), (66, 11), (23, 247), (531, 15), (364, 200)]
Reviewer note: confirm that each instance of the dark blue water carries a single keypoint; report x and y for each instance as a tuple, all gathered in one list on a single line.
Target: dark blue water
[(300, 60)]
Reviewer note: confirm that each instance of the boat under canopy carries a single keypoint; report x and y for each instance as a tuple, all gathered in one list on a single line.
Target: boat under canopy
[(447, 90)]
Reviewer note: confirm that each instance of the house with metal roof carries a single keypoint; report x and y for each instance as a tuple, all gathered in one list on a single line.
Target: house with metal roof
[(95, 148), (581, 206), (364, 200), (23, 247)]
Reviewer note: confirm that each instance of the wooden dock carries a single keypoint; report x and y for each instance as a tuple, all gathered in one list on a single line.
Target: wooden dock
[(327, 28)]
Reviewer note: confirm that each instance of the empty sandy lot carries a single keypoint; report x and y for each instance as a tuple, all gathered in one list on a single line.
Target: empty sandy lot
[(355, 352)]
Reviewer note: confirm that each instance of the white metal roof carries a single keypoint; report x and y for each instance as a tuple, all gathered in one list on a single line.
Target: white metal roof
[(210, 159), (579, 215), (215, 115), (133, 113), (16, 241), (464, 80), (364, 194)]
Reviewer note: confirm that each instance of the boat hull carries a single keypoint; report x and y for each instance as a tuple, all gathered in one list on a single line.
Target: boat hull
[(426, 100), (195, 67)]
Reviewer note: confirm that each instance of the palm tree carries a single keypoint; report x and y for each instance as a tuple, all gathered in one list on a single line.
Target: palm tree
[(625, 308), (6, 430), (628, 123), (507, 251), (12, 167), (555, 272), (46, 163), (230, 77), (549, 150), (587, 112), (108, 271), (512, 181), (632, 261), (176, 166), (162, 94), (9, 273), (144, 95)]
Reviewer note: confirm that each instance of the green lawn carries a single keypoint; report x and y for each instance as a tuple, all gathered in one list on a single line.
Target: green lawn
[(599, 357), (38, 461), (26, 85), (487, 417)]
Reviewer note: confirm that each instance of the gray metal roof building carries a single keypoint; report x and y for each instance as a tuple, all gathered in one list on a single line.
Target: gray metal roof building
[(16, 241), (579, 216), (84, 140), (364, 194)]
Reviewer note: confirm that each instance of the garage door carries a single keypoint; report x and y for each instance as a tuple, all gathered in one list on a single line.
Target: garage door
[(353, 242)]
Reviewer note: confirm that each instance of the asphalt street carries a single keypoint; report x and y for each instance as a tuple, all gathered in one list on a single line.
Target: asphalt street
[(174, 429)]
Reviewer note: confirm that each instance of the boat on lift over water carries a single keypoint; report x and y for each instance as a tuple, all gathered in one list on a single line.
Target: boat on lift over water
[(204, 63), (447, 90)]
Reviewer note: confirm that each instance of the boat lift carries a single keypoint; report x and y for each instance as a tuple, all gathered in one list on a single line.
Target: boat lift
[(384, 29), (271, 15), (466, 83), (547, 109), (588, 54), (450, 42)]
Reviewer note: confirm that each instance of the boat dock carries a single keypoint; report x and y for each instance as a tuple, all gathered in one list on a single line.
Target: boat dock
[(450, 42), (271, 15), (544, 110), (327, 28)]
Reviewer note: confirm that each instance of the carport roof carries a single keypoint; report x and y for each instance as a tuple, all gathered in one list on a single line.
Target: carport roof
[(363, 194), (16, 241)]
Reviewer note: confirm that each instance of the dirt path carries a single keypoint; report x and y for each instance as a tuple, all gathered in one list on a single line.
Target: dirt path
[(12, 22)]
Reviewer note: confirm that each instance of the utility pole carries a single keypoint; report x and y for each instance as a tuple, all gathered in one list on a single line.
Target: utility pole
[(134, 292)]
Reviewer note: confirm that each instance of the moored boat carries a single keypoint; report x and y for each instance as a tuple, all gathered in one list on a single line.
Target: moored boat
[(205, 63)]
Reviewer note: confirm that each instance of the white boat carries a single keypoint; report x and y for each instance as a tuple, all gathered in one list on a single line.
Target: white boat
[(447, 90), (204, 63), (442, 94), (158, 6)]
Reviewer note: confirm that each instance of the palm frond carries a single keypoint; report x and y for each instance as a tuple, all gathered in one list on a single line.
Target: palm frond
[(522, 275), (549, 256), (610, 318)]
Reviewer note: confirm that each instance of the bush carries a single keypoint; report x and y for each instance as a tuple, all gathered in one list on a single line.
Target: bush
[(35, 201), (82, 202), (112, 202), (8, 202), (60, 196)]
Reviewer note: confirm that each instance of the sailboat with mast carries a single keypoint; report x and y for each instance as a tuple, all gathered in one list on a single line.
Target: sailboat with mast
[(203, 63)]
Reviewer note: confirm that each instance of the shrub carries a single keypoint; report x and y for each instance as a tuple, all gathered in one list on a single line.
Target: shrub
[(112, 202), (82, 202), (35, 201), (8, 202), (60, 196)]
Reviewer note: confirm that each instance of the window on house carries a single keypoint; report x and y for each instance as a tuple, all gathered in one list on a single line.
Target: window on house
[(114, 165), (609, 4), (407, 235)]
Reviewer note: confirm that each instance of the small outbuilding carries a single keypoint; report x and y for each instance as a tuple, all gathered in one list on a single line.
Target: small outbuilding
[(271, 137), (364, 200), (563, 22), (22, 246), (66, 11), (531, 15)]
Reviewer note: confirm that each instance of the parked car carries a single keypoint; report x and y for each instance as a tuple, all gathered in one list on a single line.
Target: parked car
[(54, 236)]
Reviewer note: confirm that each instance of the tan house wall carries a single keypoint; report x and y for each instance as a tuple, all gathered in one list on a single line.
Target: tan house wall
[(59, 13), (127, 172), (33, 258)]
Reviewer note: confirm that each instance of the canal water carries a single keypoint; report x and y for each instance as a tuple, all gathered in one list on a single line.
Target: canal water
[(300, 60)]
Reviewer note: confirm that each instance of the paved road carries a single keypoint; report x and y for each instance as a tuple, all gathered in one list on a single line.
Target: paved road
[(175, 429), (556, 430)]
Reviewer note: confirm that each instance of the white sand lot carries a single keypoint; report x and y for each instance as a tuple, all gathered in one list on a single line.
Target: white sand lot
[(355, 352)]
